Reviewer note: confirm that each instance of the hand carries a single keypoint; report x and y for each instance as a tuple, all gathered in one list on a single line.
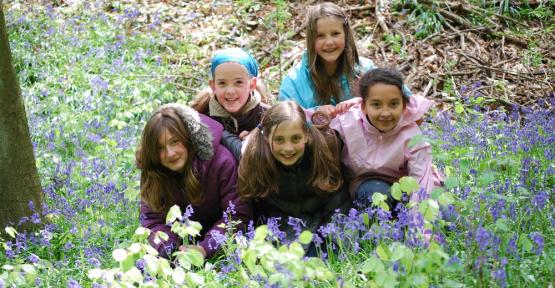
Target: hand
[(345, 105), (327, 109), (199, 248), (243, 135)]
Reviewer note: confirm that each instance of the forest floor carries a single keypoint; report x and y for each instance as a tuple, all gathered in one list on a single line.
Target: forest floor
[(447, 50)]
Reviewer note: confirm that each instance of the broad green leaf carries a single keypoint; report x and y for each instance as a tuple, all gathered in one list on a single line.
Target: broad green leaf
[(372, 264), (429, 209), (451, 182), (11, 231), (260, 233), (436, 192), (178, 275), (409, 184), (459, 108), (396, 192), (525, 243), (501, 224), (418, 139), (173, 214), (305, 237), (486, 178), (133, 275), (398, 252), (119, 254), (383, 252), (446, 199)]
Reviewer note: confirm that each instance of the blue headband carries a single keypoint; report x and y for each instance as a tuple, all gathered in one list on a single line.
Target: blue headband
[(235, 55)]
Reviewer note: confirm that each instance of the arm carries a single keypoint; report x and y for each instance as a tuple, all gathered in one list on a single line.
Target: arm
[(419, 166), (232, 143), (156, 221), (224, 172)]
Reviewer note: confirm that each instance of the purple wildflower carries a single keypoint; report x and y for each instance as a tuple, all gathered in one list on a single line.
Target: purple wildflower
[(73, 284), (540, 200), (482, 238), (33, 258), (537, 237)]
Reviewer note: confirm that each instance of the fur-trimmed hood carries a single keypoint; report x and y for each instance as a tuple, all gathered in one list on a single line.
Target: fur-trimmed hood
[(206, 133)]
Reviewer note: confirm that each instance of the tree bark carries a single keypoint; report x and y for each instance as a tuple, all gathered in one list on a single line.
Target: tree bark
[(19, 180)]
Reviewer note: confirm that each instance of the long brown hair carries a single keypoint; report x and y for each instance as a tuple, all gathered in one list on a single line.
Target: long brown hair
[(258, 172), (159, 184), (328, 86)]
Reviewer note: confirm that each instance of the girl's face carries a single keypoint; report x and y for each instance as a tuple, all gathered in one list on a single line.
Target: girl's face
[(330, 40), (232, 86), (384, 106), (172, 152), (288, 142)]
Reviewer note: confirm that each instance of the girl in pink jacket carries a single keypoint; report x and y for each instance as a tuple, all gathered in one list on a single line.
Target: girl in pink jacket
[(376, 136)]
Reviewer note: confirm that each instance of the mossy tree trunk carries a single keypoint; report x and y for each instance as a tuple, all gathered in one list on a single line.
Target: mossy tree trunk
[(19, 180)]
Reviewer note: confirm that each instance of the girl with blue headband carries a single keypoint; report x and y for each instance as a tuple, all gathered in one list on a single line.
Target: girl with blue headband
[(233, 100)]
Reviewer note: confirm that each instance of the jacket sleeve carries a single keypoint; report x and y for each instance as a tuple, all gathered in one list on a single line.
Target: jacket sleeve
[(156, 221), (225, 172), (287, 90), (232, 143), (419, 166)]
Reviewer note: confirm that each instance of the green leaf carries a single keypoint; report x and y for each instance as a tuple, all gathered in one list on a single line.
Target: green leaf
[(451, 182), (383, 252), (429, 209), (459, 108), (525, 243), (396, 192), (173, 214), (398, 252), (372, 264), (446, 199), (365, 219), (501, 224), (409, 184), (11, 231), (305, 237), (260, 233), (486, 178)]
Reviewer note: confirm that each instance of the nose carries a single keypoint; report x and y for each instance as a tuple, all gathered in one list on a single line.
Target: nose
[(170, 151), (288, 147)]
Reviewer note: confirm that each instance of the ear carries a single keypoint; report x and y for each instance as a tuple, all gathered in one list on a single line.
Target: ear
[(252, 86), (212, 85)]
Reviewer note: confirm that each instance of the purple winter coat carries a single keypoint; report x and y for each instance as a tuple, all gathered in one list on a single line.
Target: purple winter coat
[(217, 177)]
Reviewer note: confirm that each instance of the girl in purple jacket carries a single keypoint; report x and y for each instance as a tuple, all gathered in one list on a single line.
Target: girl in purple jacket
[(182, 163)]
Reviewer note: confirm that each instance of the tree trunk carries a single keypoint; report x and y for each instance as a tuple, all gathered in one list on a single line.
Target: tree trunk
[(19, 180)]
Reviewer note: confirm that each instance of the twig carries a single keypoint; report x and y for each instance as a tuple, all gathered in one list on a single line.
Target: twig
[(428, 87), (380, 18)]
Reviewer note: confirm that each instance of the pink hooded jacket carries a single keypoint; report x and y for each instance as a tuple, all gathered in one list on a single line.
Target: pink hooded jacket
[(367, 150)]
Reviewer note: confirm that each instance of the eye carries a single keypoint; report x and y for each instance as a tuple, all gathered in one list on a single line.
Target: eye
[(375, 105), (336, 33), (279, 140), (297, 138), (394, 104)]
